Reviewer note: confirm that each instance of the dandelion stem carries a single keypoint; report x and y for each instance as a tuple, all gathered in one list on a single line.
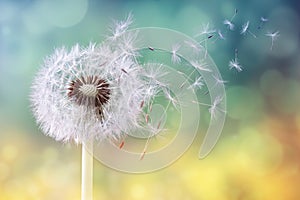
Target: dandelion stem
[(87, 171)]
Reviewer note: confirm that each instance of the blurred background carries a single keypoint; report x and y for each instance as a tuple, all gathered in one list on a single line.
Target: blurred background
[(258, 154)]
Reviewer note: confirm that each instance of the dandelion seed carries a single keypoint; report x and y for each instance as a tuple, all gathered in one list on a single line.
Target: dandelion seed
[(196, 47), (264, 19), (221, 35), (235, 64), (205, 30), (151, 48), (219, 80), (212, 110), (273, 35), (262, 22), (145, 147), (142, 104), (235, 13), (120, 27), (121, 145), (170, 98), (200, 66), (158, 125), (175, 57), (123, 70), (229, 24), (245, 29), (198, 83)]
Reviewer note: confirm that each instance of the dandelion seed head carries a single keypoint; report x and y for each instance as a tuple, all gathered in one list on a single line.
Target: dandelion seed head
[(84, 93)]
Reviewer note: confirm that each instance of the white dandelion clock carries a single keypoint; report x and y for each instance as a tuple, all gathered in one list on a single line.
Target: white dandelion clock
[(114, 97), (92, 94), (89, 93)]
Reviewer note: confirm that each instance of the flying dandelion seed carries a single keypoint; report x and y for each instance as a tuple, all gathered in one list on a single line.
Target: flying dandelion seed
[(197, 84), (229, 24), (221, 35), (235, 13), (245, 29), (214, 107), (175, 57), (219, 80), (206, 30), (234, 63), (274, 36), (195, 46), (200, 66), (263, 20), (119, 27)]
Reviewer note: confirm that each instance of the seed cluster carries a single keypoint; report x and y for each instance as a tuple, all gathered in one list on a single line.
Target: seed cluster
[(91, 91)]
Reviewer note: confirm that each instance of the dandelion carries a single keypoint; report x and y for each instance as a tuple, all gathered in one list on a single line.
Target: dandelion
[(93, 93), (273, 35), (89, 93)]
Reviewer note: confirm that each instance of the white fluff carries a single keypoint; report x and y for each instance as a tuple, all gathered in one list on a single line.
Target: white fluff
[(114, 61)]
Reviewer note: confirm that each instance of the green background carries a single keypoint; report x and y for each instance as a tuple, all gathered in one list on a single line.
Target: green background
[(257, 156)]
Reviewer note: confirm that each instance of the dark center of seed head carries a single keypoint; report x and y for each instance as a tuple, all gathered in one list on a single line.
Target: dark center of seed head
[(91, 91)]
